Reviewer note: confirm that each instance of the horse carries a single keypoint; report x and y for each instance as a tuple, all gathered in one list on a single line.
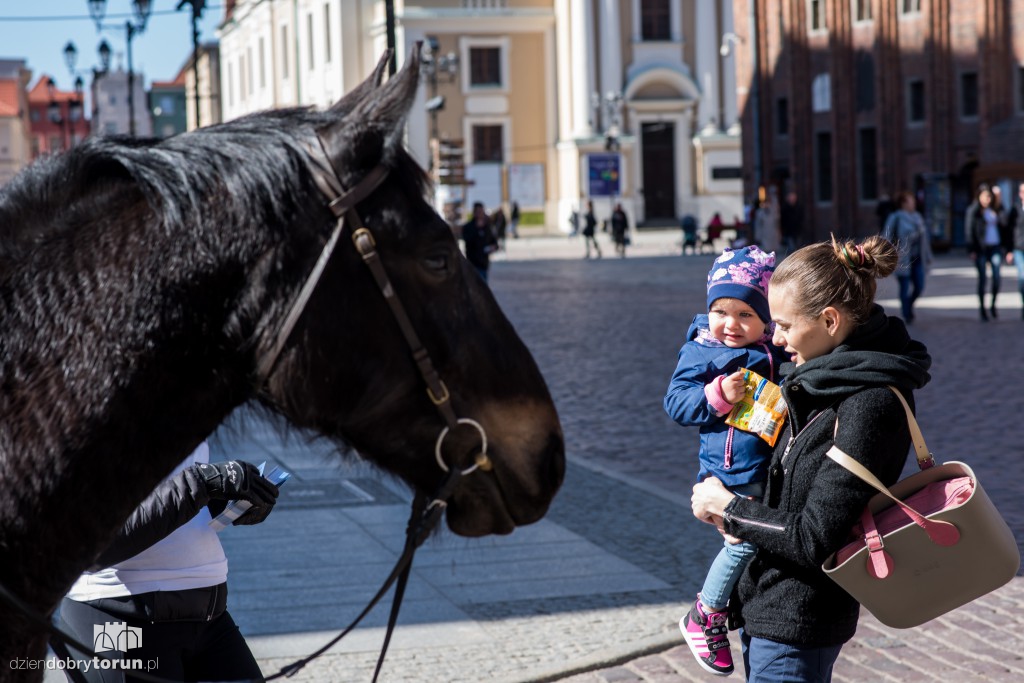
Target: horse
[(144, 284)]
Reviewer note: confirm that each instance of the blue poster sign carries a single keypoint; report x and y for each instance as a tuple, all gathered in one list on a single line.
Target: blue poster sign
[(603, 174)]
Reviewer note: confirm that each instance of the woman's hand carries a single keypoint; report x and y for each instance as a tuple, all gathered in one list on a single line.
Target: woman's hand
[(709, 500), (708, 504)]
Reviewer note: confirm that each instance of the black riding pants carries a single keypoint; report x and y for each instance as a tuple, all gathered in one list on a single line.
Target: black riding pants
[(177, 650)]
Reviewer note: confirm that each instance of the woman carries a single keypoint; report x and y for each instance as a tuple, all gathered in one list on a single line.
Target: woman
[(845, 351), (905, 229), (985, 226)]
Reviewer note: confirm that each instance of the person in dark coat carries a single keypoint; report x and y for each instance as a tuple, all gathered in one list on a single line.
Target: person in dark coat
[(1015, 228), (985, 226), (478, 236), (845, 351), (590, 230), (620, 230), (791, 223)]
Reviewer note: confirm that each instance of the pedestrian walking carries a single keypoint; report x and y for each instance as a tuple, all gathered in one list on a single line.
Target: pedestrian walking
[(500, 225), (513, 223), (766, 222), (846, 353), (708, 380), (986, 237), (1015, 229), (791, 223), (164, 578), (906, 230), (620, 230), (478, 235), (590, 231), (689, 225)]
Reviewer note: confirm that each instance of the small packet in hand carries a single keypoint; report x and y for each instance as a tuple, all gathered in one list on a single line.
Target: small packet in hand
[(237, 508), (762, 409)]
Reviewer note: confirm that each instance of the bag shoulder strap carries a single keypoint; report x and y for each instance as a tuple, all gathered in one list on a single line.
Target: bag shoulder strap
[(942, 533), (924, 458)]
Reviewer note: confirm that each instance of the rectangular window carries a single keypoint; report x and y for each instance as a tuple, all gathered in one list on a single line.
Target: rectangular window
[(284, 52), (309, 38), (655, 20), (327, 33), (915, 104), (969, 95), (249, 71), (241, 79), (865, 86), (823, 166), (263, 64), (167, 105), (782, 116), (862, 10), (868, 151), (231, 86), (816, 14), (487, 144), (484, 66), (910, 6)]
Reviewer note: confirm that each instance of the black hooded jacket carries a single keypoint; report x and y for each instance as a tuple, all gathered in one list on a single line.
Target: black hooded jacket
[(811, 502)]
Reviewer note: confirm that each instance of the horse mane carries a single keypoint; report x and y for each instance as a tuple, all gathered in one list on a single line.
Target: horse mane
[(253, 165)]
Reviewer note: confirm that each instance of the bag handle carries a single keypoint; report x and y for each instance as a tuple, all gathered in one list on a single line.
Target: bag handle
[(924, 458), (941, 533)]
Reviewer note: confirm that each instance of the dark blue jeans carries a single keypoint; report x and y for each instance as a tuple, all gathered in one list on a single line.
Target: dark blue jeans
[(911, 286), (766, 661), (993, 257)]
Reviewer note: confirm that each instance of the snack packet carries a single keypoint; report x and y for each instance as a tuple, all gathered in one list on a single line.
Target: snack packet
[(762, 409)]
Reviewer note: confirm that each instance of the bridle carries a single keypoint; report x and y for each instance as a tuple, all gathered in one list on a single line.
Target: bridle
[(426, 511)]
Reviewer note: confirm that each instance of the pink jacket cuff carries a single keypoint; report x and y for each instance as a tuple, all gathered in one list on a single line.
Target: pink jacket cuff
[(713, 392)]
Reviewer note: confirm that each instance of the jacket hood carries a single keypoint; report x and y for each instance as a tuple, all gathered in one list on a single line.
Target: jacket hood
[(878, 353)]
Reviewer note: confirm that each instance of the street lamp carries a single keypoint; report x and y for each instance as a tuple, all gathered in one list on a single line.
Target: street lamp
[(197, 12), (433, 65), (76, 107), (140, 12)]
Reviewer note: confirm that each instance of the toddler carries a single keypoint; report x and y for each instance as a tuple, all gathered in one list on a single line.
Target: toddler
[(735, 333)]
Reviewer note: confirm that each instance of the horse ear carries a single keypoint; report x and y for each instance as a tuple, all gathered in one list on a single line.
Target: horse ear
[(374, 128), (364, 89)]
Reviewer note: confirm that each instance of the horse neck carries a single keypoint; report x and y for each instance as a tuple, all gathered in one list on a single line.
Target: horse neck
[(116, 363)]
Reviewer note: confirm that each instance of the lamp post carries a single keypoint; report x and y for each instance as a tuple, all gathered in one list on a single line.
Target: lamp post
[(433, 65), (197, 12), (71, 59), (132, 27), (54, 113)]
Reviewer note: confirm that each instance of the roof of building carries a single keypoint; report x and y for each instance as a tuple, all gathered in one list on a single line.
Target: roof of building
[(40, 93), (8, 97)]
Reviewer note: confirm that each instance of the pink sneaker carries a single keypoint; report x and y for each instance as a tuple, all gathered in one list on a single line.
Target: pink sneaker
[(707, 636)]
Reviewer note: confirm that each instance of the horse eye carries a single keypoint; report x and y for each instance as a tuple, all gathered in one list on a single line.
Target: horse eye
[(438, 263)]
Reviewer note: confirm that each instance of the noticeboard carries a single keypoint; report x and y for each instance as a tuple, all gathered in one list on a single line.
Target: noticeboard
[(603, 173)]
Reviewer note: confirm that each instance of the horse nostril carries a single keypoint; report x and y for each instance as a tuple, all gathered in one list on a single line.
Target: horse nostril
[(555, 459)]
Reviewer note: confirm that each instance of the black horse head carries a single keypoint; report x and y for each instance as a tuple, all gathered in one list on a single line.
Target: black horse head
[(142, 283)]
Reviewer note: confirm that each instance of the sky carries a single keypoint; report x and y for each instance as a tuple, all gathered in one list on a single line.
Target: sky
[(38, 31)]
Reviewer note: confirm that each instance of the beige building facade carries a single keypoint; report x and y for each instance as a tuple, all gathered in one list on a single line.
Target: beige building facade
[(551, 102)]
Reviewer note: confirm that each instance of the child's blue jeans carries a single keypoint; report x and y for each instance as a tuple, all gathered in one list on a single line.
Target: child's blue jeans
[(731, 561)]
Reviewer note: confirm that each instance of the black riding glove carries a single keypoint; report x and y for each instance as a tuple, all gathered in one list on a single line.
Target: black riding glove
[(240, 480)]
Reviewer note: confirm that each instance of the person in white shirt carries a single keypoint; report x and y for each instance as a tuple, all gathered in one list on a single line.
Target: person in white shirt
[(158, 593)]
